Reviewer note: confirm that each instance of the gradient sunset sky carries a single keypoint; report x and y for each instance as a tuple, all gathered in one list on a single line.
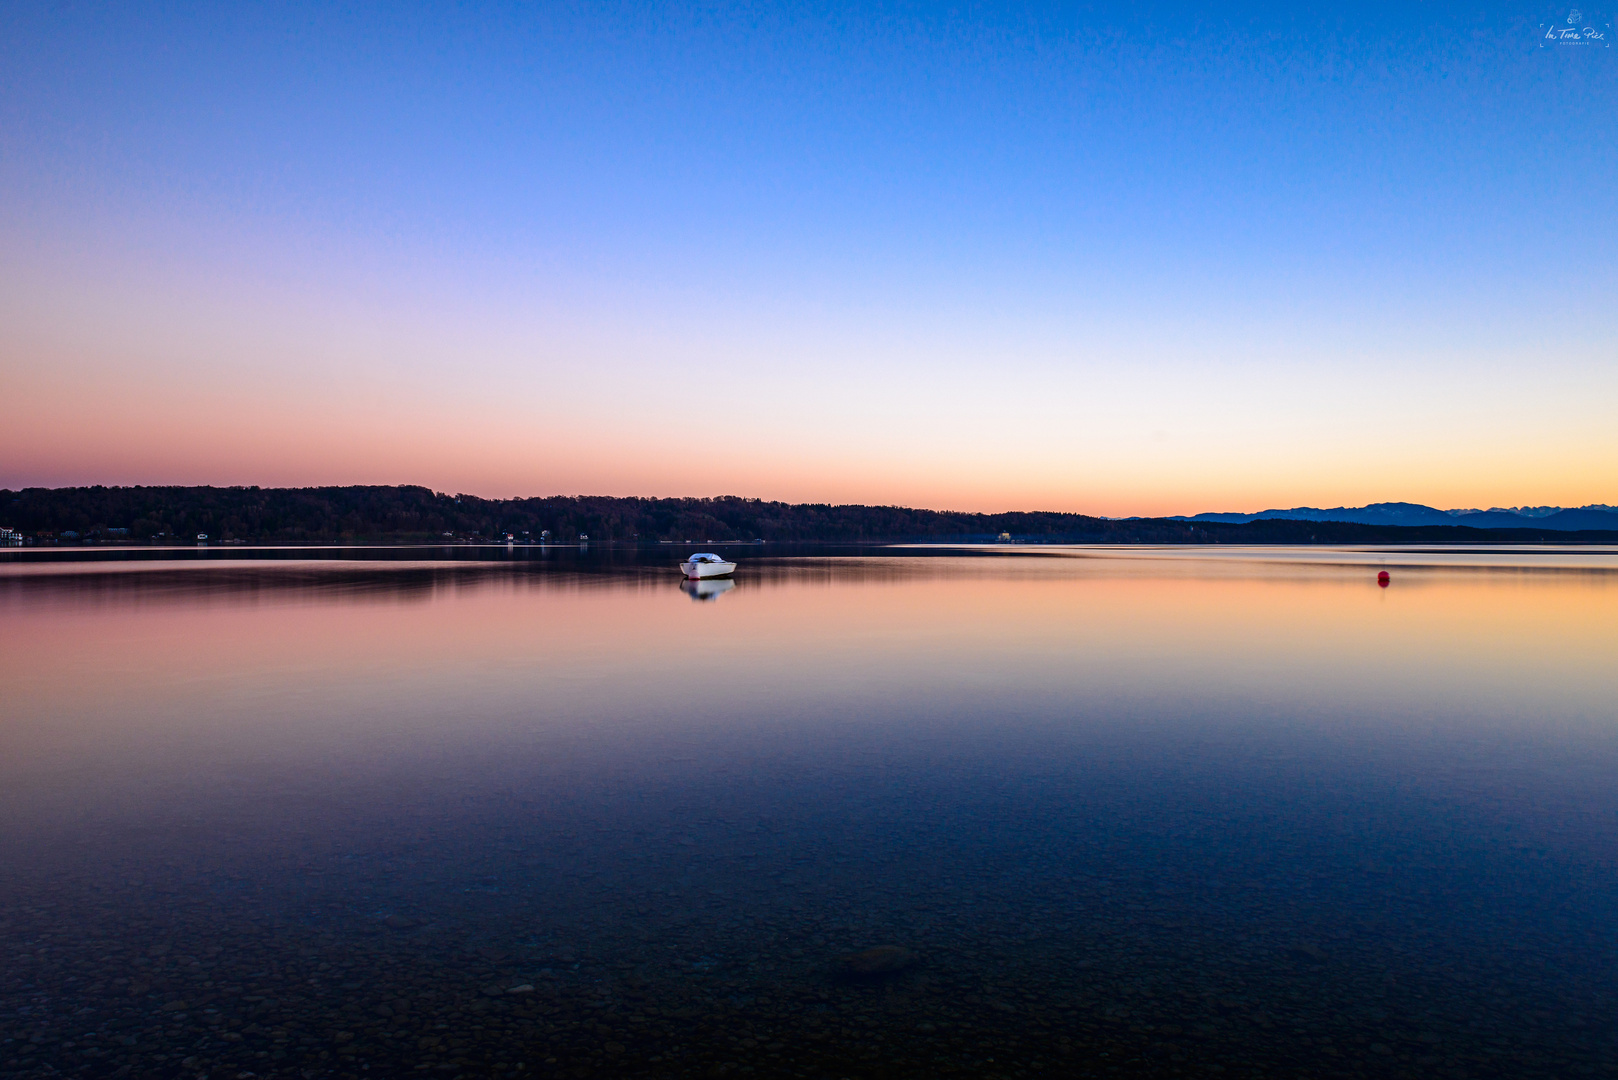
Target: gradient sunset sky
[(1123, 259)]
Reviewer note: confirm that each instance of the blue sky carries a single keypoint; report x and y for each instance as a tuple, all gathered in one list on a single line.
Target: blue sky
[(1123, 259)]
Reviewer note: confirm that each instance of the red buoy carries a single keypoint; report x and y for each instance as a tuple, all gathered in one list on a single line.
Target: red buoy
[(1382, 579)]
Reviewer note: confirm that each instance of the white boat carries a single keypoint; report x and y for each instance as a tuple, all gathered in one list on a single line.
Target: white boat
[(705, 565)]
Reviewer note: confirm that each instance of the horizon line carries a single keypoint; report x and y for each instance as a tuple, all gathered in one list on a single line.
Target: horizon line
[(786, 502)]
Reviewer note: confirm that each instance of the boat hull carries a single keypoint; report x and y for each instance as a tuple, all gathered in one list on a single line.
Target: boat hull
[(698, 571)]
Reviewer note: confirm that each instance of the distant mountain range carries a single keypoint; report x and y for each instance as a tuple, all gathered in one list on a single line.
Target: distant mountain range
[(1594, 516)]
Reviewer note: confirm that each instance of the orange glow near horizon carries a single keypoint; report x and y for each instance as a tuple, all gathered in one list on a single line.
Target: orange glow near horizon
[(125, 437), (280, 391), (191, 378)]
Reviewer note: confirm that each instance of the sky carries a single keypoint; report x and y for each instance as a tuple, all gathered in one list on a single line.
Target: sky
[(1122, 259)]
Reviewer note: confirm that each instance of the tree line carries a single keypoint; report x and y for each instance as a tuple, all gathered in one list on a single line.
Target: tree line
[(410, 513)]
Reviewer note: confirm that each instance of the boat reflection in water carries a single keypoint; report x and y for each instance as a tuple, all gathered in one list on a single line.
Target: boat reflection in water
[(706, 589)]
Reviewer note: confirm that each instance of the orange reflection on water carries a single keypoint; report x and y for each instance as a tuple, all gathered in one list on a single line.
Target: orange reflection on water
[(206, 672), (79, 647)]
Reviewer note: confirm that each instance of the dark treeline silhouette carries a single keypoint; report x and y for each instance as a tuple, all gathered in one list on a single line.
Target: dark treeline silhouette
[(304, 515)]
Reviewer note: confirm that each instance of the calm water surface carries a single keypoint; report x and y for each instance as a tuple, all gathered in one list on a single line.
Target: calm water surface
[(1107, 812)]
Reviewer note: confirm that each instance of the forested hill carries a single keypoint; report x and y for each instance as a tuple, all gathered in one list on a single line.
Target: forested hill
[(292, 515)]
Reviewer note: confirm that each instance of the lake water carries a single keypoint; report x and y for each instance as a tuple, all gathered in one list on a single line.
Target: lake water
[(1111, 812)]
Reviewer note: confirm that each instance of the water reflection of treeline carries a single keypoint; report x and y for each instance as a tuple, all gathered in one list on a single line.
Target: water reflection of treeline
[(316, 576)]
